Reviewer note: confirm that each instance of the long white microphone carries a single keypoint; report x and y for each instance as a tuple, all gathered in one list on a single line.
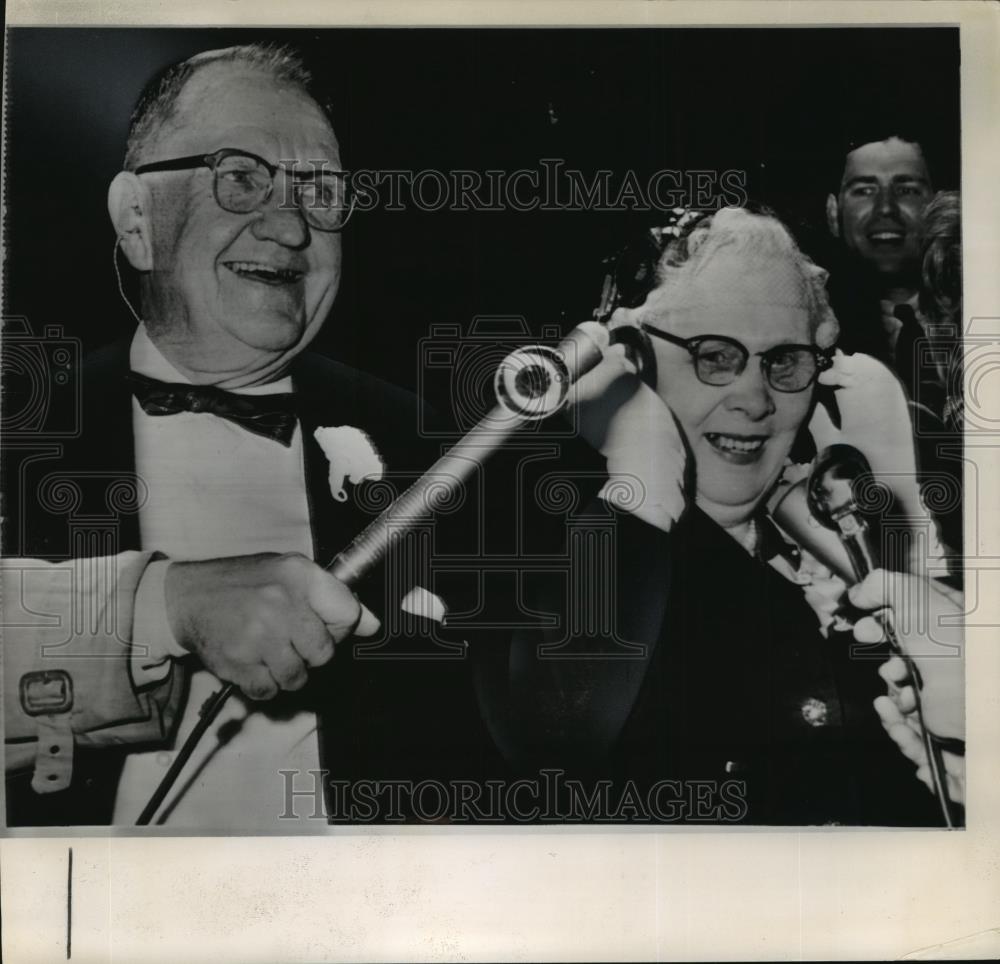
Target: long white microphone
[(530, 383)]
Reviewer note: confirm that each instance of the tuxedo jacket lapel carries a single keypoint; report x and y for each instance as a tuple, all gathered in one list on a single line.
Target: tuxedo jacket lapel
[(332, 394)]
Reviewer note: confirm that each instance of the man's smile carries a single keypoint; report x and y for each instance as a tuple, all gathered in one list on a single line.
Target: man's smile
[(264, 273), (887, 238)]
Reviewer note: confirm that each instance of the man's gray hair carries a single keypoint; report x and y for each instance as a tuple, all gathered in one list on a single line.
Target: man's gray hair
[(157, 105)]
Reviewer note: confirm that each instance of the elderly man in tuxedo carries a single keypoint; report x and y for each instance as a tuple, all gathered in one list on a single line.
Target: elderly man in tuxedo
[(230, 208)]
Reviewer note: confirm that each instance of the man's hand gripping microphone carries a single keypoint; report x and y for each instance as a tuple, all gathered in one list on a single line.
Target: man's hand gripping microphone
[(531, 383)]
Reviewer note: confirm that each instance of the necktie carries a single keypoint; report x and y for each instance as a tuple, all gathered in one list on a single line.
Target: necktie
[(920, 380), (907, 360), (272, 416)]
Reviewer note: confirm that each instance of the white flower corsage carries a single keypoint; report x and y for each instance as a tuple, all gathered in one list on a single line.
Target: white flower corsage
[(352, 455)]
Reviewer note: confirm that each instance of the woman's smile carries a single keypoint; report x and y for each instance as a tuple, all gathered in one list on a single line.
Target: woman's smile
[(735, 448)]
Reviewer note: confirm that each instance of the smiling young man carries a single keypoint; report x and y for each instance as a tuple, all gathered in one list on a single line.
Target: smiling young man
[(230, 209), (877, 215), (878, 212)]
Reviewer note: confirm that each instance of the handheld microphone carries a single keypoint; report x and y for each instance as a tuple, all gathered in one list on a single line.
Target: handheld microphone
[(832, 499), (831, 493), (789, 507), (531, 383)]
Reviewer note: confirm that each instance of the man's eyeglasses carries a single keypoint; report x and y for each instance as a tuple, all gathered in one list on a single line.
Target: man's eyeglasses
[(243, 182), (719, 360)]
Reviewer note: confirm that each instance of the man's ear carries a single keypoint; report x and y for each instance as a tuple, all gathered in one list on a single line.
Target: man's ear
[(129, 205), (833, 215)]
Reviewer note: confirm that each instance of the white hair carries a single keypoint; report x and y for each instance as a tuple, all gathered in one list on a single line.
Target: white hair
[(760, 239)]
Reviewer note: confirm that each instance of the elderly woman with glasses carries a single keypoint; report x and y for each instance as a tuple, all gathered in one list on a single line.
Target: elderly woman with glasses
[(714, 691)]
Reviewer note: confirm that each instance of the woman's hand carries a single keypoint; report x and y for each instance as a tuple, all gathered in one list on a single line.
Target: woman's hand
[(629, 424), (922, 609), (928, 628), (905, 732)]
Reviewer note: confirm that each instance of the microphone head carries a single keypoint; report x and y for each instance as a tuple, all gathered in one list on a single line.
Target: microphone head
[(830, 490), (532, 383)]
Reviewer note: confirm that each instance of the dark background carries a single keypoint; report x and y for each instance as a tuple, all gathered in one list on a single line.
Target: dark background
[(778, 103)]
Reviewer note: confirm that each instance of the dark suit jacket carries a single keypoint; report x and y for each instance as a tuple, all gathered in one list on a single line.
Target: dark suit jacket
[(379, 717), (715, 678)]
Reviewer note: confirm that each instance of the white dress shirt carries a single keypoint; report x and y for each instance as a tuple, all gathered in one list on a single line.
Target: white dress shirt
[(216, 490)]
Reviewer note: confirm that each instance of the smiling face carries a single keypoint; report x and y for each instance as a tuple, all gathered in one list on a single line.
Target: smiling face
[(880, 207), (741, 433), (231, 298)]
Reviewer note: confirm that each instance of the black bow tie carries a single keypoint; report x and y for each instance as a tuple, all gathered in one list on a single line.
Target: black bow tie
[(273, 416)]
